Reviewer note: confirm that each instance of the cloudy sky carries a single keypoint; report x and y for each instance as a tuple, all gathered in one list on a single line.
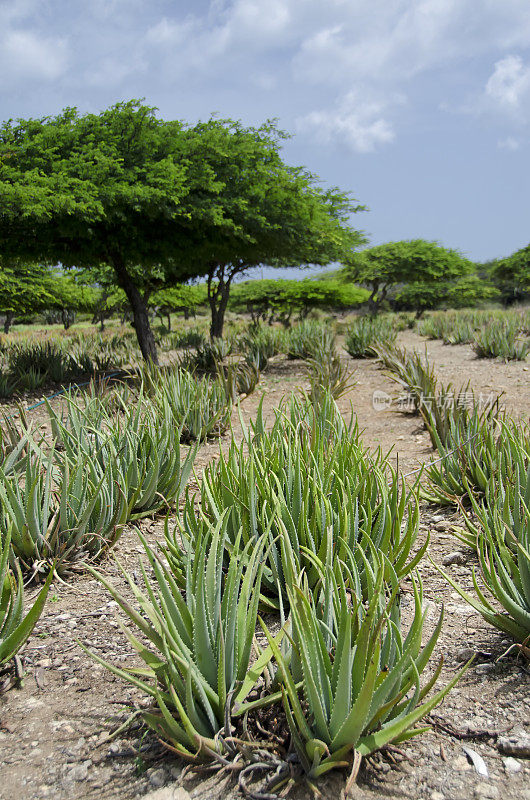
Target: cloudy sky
[(420, 108)]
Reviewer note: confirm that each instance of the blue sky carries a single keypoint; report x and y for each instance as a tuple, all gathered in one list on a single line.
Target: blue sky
[(420, 108)]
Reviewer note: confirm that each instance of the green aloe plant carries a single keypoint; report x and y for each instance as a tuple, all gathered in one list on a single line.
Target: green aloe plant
[(366, 334), (315, 483), (350, 679), (15, 626), (503, 545), (62, 513), (200, 407), (199, 666)]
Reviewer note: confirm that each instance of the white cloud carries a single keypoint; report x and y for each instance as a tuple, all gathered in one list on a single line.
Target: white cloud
[(510, 143), (509, 82), (24, 54), (356, 123)]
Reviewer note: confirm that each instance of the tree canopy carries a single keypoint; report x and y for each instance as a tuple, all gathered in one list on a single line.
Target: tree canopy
[(512, 275), (23, 287), (158, 202), (415, 261), (463, 293), (277, 300)]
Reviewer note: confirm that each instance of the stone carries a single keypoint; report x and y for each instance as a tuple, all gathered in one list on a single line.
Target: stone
[(437, 796), (454, 558), (511, 764), (461, 763), (484, 669), (170, 792), (79, 772), (157, 777), (465, 654), (486, 791), (516, 744)]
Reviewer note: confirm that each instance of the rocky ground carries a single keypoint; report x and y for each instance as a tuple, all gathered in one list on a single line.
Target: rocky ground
[(54, 730)]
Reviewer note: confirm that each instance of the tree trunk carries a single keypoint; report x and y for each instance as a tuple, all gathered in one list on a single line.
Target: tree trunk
[(168, 322), (218, 318), (218, 299), (138, 304), (8, 320)]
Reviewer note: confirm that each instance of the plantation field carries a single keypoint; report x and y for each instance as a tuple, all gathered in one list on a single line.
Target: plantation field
[(56, 728)]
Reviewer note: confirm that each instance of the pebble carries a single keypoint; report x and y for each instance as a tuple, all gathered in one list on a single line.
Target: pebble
[(484, 669), (79, 772), (157, 777), (465, 654), (516, 744), (511, 764), (461, 763), (437, 796), (456, 557), (168, 793), (486, 790)]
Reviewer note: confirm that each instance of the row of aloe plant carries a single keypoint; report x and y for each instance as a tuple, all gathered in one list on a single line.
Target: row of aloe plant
[(483, 466), (298, 520)]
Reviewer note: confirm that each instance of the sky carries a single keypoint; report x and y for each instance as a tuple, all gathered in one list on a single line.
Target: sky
[(419, 108)]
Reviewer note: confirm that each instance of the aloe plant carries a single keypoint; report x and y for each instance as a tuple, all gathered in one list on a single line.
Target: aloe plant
[(500, 338), (199, 667), (62, 512), (366, 333), (310, 339), (351, 678), (315, 483), (15, 626), (142, 441), (503, 545), (329, 375), (201, 407), (477, 448), (262, 343)]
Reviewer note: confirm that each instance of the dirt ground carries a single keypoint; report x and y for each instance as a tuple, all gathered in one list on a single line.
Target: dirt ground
[(54, 730)]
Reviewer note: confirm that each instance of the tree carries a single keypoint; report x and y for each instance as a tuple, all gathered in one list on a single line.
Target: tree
[(158, 202), (512, 275), (67, 296), (416, 262), (467, 292), (279, 214), (183, 298), (23, 288), (278, 299)]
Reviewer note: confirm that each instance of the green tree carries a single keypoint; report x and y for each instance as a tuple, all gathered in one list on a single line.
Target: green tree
[(512, 275), (467, 292), (68, 296), (183, 298), (416, 262), (159, 202), (23, 288), (277, 300)]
